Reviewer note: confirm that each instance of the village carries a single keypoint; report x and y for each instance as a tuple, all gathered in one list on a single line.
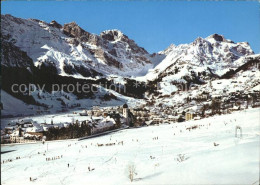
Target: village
[(100, 120), (168, 146)]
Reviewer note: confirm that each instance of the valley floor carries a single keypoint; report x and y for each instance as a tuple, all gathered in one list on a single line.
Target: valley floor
[(165, 154)]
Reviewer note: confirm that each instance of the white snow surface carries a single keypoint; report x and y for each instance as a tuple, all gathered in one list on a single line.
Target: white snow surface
[(200, 55), (233, 161), (43, 42), (14, 106)]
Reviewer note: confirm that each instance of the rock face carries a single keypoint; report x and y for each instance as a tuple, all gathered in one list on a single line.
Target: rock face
[(55, 24), (218, 37), (202, 60), (45, 52), (12, 56), (73, 30), (214, 52), (70, 46), (111, 35), (116, 35)]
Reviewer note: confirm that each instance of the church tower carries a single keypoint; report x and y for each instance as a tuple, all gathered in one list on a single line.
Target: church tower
[(125, 112)]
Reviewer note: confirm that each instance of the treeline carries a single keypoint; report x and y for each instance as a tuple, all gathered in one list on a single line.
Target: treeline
[(71, 132)]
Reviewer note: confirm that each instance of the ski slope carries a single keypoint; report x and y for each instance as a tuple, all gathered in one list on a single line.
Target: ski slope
[(233, 161)]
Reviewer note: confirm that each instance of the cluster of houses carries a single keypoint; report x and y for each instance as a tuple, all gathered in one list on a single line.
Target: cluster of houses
[(198, 105), (98, 119), (22, 131), (104, 119), (163, 115)]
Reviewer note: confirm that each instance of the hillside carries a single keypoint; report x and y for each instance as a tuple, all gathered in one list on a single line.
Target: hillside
[(178, 156), (115, 68), (74, 51)]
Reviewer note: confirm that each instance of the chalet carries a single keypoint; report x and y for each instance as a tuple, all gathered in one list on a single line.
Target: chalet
[(188, 116), (24, 123), (201, 97), (84, 113), (97, 113), (172, 119), (95, 108), (12, 123), (59, 125), (150, 122), (256, 104), (5, 139), (197, 118), (140, 112), (235, 108), (157, 120), (16, 139), (105, 114), (34, 127), (33, 135), (9, 130), (208, 113), (102, 125)]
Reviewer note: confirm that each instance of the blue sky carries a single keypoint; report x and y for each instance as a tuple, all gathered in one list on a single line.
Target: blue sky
[(153, 25)]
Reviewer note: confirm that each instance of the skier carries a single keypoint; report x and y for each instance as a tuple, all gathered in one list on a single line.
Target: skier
[(68, 165)]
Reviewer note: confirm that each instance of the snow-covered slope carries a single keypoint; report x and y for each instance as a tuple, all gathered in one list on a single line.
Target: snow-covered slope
[(178, 156), (214, 54), (243, 81), (202, 62), (14, 106), (74, 51), (62, 102), (32, 48)]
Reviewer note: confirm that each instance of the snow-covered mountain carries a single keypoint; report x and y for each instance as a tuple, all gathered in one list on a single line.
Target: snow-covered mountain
[(198, 63), (74, 51), (214, 54), (34, 51), (240, 83)]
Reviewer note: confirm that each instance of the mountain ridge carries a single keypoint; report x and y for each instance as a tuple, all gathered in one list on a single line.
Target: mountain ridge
[(69, 53)]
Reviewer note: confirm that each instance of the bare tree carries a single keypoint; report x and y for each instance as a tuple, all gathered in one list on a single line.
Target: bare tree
[(131, 172)]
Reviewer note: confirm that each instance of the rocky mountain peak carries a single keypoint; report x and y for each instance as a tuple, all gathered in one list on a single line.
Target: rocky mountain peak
[(79, 51), (55, 24), (168, 50), (112, 35), (8, 17), (74, 30), (112, 52), (213, 55), (199, 41), (218, 37)]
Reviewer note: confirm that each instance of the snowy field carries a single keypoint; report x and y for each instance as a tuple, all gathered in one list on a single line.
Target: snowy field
[(56, 118), (232, 161)]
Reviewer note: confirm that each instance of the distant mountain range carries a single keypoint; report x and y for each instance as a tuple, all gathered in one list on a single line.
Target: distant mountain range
[(37, 52)]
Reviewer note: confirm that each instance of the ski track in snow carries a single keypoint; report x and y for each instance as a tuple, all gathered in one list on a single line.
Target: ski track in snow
[(233, 161)]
